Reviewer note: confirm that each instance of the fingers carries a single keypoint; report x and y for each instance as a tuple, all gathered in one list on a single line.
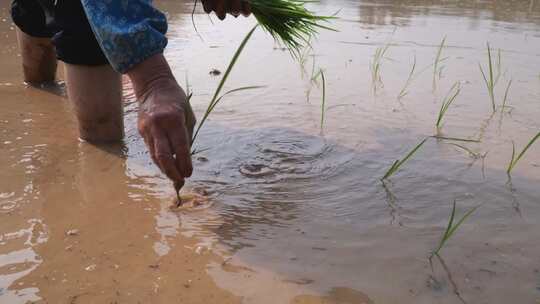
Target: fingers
[(151, 148), (178, 185), (235, 7), (208, 6), (180, 146), (220, 9), (164, 157), (246, 8)]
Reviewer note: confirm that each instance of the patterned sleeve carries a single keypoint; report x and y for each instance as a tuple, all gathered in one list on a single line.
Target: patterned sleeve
[(128, 31)]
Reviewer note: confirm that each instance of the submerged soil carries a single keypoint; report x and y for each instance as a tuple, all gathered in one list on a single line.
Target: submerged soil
[(291, 214)]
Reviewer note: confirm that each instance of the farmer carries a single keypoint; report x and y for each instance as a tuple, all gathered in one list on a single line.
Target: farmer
[(100, 39)]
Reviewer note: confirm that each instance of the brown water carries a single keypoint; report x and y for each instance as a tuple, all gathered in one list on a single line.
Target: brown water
[(296, 216)]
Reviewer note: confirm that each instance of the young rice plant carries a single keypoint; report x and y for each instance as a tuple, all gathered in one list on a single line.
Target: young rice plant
[(398, 163), (217, 97), (323, 102), (451, 228), (514, 160), (491, 78), (447, 101)]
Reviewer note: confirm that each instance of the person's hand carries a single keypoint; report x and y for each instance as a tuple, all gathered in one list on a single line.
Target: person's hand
[(222, 7), (165, 120), (166, 123)]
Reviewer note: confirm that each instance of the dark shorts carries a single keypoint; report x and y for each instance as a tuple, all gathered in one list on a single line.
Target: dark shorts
[(66, 23)]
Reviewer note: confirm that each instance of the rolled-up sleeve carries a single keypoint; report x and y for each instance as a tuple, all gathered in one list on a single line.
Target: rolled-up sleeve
[(128, 31)]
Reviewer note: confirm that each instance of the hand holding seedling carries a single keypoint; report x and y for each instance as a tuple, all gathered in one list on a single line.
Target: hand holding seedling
[(165, 120), (224, 7)]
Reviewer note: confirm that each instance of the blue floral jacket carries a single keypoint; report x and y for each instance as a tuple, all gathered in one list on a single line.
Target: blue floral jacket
[(129, 31)]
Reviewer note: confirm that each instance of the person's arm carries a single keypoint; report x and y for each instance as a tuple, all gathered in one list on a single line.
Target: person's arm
[(165, 118), (132, 36)]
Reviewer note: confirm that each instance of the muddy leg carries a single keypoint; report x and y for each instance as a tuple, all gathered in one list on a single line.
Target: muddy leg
[(96, 95), (38, 58)]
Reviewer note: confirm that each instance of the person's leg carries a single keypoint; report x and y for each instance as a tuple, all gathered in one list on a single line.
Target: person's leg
[(96, 95), (93, 87), (37, 52)]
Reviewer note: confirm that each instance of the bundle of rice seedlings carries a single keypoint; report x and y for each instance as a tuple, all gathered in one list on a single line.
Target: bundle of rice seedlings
[(289, 22)]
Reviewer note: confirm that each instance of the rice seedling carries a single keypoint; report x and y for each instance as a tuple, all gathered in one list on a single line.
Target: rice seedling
[(490, 79), (376, 64), (315, 76), (515, 160), (451, 228), (473, 154), (437, 69), (303, 59), (323, 103), (506, 94), (312, 80), (398, 163), (403, 91), (447, 101), (498, 66), (289, 22), (217, 97), (440, 137)]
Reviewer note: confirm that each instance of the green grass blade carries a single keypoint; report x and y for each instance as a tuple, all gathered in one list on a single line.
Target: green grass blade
[(444, 237), (489, 79), (438, 61), (391, 170), (511, 165), (412, 152), (403, 91), (463, 218), (234, 91), (484, 75), (506, 94), (520, 155), (455, 139), (323, 103), (211, 105), (490, 65), (531, 142), (451, 228), (398, 163), (447, 101), (498, 68), (472, 153), (438, 56)]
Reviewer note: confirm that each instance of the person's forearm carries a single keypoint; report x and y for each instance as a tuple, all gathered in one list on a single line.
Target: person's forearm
[(149, 74)]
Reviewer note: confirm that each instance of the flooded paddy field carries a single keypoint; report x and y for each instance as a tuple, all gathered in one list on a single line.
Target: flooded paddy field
[(296, 214)]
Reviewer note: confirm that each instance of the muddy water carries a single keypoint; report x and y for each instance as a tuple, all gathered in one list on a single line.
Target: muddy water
[(297, 216)]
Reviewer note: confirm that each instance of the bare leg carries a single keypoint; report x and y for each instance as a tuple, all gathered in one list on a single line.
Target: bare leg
[(38, 58), (96, 95)]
